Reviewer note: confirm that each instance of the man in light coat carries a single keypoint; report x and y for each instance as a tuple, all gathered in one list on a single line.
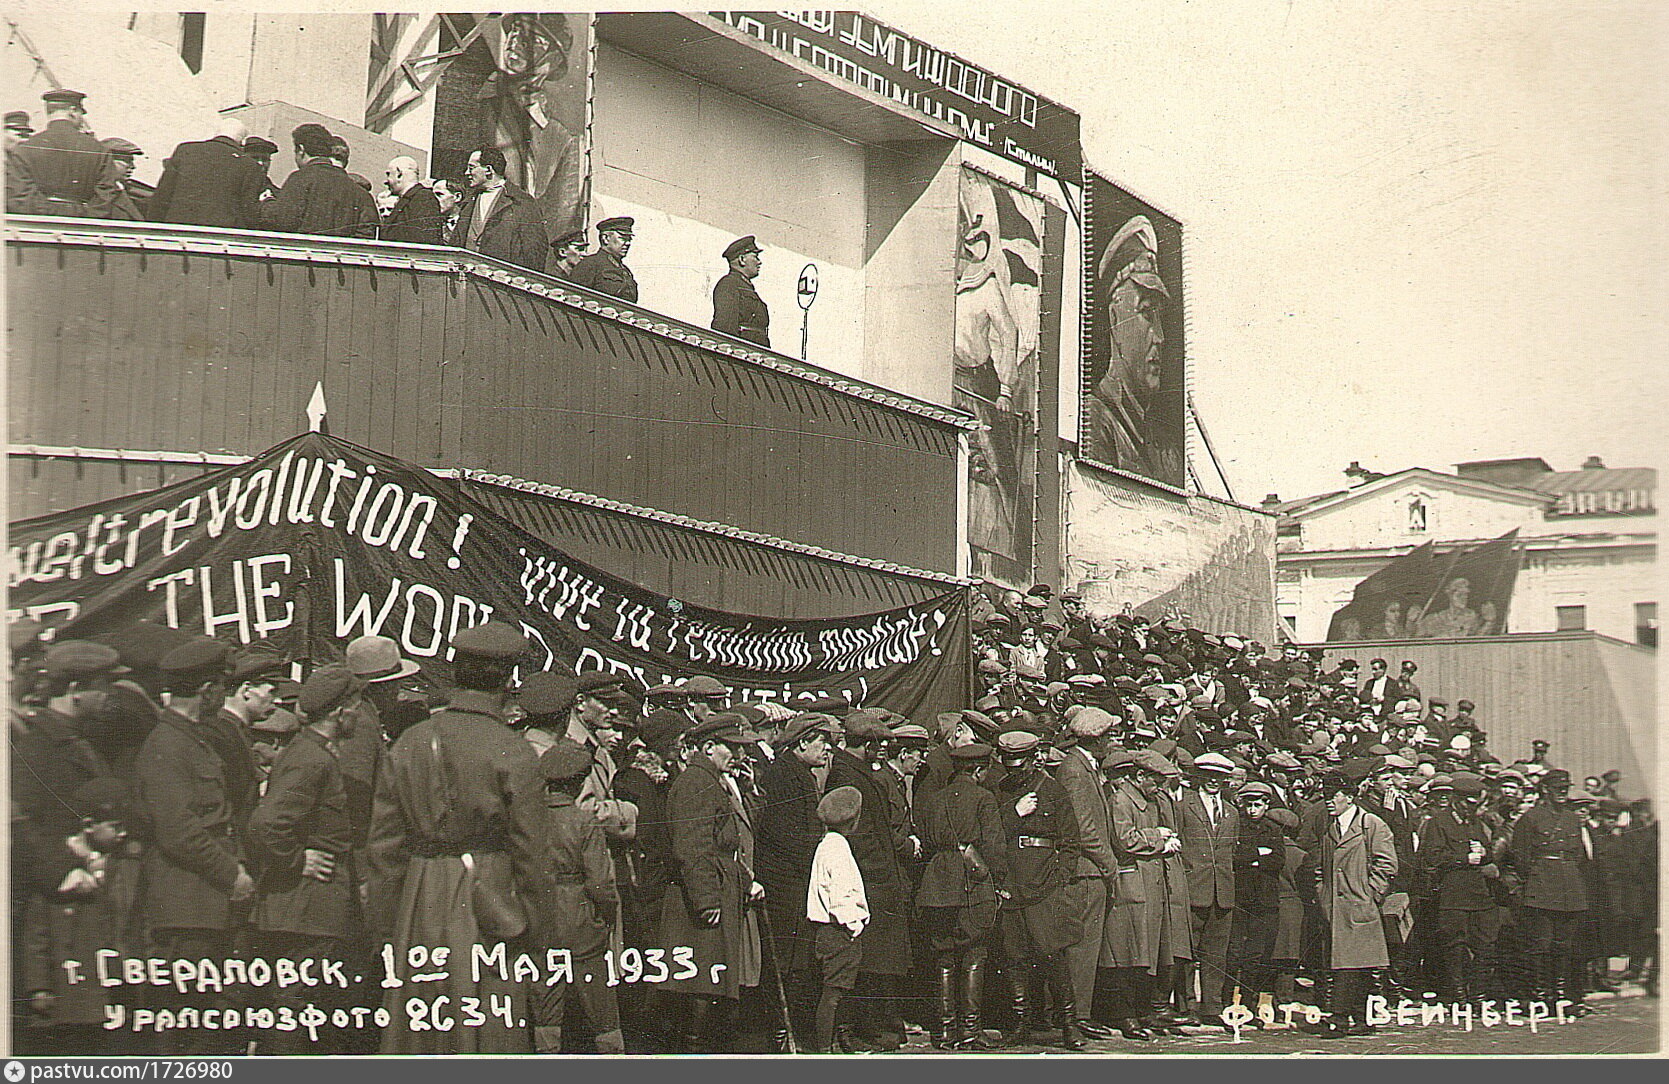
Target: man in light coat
[(1355, 859)]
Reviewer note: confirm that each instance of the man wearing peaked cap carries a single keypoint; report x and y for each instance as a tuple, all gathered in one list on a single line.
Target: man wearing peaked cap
[(1455, 861), (303, 828), (1547, 849), (1210, 828), (198, 660), (1096, 864), (605, 270), (56, 170), (594, 721), (491, 640), (461, 782), (546, 698), (737, 307), (568, 249), (80, 659), (18, 128)]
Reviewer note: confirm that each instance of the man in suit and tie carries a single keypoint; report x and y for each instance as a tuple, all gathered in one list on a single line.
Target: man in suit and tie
[(1210, 829), (499, 219)]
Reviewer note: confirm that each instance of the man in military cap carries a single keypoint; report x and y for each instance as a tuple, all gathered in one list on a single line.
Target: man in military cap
[(967, 868), (605, 270), (567, 250), (111, 197), (56, 171), (1455, 863), (586, 904), (52, 756), (194, 787), (460, 813), (594, 722), (737, 307), (251, 695), (713, 848), (18, 128), (213, 182), (302, 840), (1036, 923), (1551, 849)]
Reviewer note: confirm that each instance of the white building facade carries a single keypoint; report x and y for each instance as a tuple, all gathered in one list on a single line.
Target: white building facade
[(1590, 559)]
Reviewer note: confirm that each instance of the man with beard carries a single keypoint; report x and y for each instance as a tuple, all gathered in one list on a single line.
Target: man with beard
[(1123, 426), (787, 840)]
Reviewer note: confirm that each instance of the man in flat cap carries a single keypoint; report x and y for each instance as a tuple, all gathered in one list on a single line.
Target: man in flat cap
[(302, 838), (967, 868), (838, 910), (594, 722), (195, 782), (1550, 849), (1036, 922), (704, 697), (212, 182), (785, 844), (708, 909), (1260, 853), (56, 171), (460, 803), (567, 250), (1079, 775), (737, 307), (1131, 943), (586, 905), (1210, 827), (605, 270), (499, 219), (18, 128), (111, 196), (262, 149)]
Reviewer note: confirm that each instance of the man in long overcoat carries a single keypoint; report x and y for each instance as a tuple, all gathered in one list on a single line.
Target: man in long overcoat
[(459, 853), (1356, 859), (1550, 850), (1136, 897)]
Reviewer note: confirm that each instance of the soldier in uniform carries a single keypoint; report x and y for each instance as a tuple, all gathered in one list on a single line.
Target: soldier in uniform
[(459, 853), (1037, 922), (192, 794), (1080, 776), (1454, 864), (737, 307), (967, 867), (302, 840), (585, 905), (56, 171), (605, 270), (18, 128), (1549, 849)]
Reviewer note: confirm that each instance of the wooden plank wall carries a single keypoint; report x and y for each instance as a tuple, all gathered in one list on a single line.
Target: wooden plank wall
[(173, 351), (1585, 693)]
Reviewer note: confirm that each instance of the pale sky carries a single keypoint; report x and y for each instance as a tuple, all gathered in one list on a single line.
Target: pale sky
[(1418, 233)]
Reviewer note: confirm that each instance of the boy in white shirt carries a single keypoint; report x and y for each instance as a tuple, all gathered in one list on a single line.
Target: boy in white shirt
[(837, 908)]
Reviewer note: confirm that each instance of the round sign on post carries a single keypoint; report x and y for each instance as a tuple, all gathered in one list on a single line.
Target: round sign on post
[(806, 292), (807, 288)]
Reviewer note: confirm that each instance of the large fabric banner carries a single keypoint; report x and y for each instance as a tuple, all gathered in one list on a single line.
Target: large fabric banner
[(999, 279), (1423, 595), (318, 541), (1133, 412)]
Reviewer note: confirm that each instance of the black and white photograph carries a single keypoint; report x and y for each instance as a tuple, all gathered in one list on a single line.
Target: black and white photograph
[(1067, 530)]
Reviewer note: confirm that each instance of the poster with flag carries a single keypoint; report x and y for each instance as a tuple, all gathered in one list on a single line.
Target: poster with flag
[(1426, 595), (999, 279)]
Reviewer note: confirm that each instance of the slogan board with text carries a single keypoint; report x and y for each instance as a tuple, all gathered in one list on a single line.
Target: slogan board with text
[(318, 541)]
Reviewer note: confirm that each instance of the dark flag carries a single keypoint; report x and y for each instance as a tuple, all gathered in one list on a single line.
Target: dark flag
[(1427, 595)]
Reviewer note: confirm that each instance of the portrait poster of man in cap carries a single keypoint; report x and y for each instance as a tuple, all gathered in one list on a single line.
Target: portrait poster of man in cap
[(1133, 375)]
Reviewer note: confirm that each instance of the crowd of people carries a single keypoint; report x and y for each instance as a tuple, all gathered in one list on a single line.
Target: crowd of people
[(1134, 825), (223, 181)]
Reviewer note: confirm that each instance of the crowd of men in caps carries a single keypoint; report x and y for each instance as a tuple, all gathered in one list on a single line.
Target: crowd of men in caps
[(1135, 825), (222, 181)]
